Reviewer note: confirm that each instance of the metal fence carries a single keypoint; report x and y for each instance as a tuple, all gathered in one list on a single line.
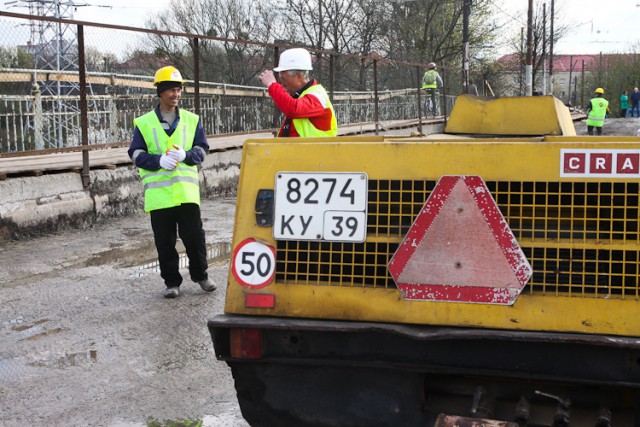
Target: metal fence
[(96, 102)]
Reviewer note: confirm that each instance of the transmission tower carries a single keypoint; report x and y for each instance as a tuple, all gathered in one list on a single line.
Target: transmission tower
[(54, 47)]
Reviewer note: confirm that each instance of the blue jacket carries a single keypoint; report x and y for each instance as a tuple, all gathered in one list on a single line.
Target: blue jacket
[(152, 161)]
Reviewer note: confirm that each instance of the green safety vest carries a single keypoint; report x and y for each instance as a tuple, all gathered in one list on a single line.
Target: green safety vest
[(433, 76), (304, 126), (598, 112), (163, 188)]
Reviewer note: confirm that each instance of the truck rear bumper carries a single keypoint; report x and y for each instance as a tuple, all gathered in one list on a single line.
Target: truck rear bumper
[(508, 354), (325, 373)]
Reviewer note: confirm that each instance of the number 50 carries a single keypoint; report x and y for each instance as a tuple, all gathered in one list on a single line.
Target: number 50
[(254, 263)]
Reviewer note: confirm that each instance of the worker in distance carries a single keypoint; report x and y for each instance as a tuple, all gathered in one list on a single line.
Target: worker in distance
[(597, 110), (303, 101)]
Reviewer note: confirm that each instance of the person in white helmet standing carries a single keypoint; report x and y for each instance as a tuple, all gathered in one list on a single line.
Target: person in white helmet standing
[(304, 102), (168, 144)]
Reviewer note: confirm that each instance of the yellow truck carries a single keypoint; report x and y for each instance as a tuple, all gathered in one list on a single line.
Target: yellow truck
[(488, 275)]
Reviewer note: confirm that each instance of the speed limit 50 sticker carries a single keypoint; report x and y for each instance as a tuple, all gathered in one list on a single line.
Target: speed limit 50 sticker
[(254, 263)]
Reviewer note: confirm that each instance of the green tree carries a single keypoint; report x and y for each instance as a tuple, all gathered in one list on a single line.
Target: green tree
[(15, 57)]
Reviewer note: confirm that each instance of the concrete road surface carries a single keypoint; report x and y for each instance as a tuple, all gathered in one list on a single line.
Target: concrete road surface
[(88, 339)]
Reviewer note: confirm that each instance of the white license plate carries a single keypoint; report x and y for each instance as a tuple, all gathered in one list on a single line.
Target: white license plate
[(328, 206)]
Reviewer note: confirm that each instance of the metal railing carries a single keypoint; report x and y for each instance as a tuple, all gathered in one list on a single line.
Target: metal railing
[(25, 119), (32, 120)]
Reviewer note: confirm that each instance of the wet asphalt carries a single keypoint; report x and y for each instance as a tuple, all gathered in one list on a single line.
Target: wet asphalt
[(87, 338)]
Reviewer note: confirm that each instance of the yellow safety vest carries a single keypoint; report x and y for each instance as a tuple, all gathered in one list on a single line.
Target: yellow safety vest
[(434, 75), (304, 126), (598, 112), (163, 188)]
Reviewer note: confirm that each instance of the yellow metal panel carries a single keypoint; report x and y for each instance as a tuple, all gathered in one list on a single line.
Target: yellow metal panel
[(537, 115), (530, 312), (581, 235)]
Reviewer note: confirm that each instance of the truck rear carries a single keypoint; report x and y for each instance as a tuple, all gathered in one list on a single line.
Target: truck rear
[(490, 273)]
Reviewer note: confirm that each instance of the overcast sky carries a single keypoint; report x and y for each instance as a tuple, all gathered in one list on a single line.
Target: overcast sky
[(596, 25)]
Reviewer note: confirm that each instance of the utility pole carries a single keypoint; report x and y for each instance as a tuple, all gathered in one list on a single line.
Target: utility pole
[(544, 48), (570, 76), (466, 11), (582, 87), (528, 68), (521, 89), (551, 37)]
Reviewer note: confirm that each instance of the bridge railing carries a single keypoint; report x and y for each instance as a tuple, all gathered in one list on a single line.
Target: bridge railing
[(103, 80), (25, 119)]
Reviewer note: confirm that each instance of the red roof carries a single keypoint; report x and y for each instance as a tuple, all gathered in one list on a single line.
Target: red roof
[(562, 63)]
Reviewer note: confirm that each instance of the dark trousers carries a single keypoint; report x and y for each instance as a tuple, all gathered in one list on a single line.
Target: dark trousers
[(186, 219), (597, 128)]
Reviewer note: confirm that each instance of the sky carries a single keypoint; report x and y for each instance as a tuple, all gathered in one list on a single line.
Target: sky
[(595, 25)]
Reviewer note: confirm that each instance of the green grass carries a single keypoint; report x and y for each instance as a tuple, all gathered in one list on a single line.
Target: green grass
[(152, 422)]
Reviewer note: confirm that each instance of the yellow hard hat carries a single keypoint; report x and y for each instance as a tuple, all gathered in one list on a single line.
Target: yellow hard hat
[(600, 90), (168, 74)]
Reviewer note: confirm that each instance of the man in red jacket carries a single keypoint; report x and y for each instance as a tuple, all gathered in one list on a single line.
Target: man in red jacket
[(303, 101)]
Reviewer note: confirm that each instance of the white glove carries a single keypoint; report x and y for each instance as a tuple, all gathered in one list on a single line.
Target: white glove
[(178, 154), (167, 162)]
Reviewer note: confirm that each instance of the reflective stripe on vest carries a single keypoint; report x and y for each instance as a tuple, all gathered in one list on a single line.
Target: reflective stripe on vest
[(163, 188), (598, 112), (304, 126)]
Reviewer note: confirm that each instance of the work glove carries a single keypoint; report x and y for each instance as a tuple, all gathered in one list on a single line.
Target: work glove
[(178, 153), (167, 162)]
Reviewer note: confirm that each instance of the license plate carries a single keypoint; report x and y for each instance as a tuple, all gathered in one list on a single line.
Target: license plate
[(329, 206)]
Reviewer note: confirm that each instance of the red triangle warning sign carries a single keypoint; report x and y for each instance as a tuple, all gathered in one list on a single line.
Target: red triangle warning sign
[(460, 248)]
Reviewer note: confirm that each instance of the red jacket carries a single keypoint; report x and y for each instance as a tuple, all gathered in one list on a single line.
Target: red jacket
[(309, 106)]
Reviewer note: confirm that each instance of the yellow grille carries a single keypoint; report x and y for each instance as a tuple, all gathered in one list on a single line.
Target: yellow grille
[(581, 238)]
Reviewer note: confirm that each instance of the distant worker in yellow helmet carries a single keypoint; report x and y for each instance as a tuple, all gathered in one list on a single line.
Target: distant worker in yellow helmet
[(168, 144), (597, 111), (304, 102)]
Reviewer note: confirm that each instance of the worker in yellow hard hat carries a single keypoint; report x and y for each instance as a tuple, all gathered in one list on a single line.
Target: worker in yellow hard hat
[(304, 102), (168, 144), (597, 110)]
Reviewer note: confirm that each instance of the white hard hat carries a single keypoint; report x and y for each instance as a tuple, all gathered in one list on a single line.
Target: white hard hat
[(294, 59)]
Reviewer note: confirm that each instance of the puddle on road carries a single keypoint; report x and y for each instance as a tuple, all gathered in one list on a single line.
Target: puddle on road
[(20, 328), (15, 368), (34, 331), (216, 252), (144, 259)]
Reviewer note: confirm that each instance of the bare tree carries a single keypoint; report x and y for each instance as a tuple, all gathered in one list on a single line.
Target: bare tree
[(227, 61), (518, 44)]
